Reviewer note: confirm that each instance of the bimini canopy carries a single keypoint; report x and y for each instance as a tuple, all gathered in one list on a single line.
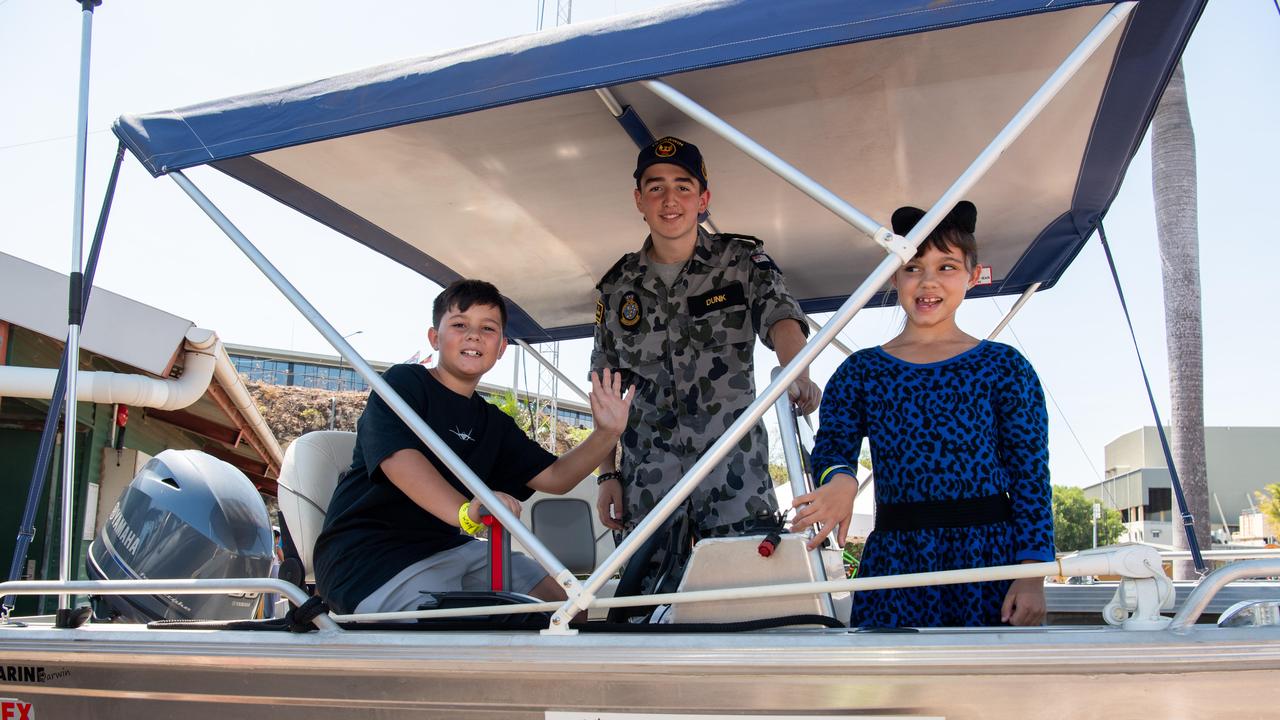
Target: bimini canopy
[(500, 162)]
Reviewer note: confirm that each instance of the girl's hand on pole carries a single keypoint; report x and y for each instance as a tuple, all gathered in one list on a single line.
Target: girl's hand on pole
[(829, 508), (805, 395), (609, 405), (1024, 603)]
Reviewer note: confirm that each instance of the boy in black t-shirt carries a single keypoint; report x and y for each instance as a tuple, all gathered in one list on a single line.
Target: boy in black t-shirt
[(395, 526)]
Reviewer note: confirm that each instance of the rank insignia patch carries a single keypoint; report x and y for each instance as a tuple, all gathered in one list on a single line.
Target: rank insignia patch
[(599, 311), (629, 312)]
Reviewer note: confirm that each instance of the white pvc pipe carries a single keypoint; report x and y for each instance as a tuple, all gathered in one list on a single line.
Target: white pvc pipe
[(108, 388)]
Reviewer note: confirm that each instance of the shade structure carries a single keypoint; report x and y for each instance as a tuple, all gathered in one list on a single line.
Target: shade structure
[(501, 162)]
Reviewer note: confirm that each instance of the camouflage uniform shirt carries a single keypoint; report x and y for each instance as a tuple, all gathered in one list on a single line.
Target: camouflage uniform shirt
[(689, 349)]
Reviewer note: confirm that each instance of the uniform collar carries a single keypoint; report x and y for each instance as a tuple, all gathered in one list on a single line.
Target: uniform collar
[(704, 253)]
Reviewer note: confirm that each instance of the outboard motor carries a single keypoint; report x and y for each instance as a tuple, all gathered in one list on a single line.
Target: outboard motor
[(185, 515)]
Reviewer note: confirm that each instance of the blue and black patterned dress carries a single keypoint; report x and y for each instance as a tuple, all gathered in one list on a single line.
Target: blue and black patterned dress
[(971, 426)]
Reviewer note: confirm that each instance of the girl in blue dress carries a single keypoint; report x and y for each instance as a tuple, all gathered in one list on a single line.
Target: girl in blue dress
[(958, 435)]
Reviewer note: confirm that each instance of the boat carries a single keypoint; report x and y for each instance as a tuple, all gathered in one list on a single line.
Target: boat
[(808, 109)]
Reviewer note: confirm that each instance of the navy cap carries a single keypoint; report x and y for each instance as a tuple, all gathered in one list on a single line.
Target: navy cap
[(675, 151)]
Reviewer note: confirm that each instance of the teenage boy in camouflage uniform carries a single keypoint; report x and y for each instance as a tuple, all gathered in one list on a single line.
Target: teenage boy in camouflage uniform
[(680, 318)]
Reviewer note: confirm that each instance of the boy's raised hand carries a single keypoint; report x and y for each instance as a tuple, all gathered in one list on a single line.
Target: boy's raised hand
[(609, 405), (830, 507)]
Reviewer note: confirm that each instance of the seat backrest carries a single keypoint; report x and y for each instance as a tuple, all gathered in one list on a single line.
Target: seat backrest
[(564, 525), (308, 477)]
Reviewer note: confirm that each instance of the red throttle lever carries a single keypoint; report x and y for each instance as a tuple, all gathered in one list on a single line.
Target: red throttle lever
[(499, 553), (769, 544)]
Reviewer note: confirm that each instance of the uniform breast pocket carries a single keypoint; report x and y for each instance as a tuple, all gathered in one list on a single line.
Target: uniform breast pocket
[(720, 317), (723, 327)]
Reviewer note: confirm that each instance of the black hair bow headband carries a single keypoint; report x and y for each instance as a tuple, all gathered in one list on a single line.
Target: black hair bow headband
[(964, 216)]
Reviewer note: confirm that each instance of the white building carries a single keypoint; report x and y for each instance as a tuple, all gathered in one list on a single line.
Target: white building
[(1240, 460)]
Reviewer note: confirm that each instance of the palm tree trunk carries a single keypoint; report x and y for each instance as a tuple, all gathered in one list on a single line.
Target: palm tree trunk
[(1173, 177)]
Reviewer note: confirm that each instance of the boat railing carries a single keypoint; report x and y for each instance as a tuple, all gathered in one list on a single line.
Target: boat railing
[(295, 594), (1144, 591), (1199, 598)]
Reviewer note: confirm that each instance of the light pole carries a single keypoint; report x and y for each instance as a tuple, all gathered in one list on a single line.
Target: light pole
[(333, 400), (1097, 513)]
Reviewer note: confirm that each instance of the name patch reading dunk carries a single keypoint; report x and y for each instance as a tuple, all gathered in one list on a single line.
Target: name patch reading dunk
[(722, 297)]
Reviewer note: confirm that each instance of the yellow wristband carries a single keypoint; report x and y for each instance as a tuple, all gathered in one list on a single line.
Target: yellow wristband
[(469, 526), (826, 474)]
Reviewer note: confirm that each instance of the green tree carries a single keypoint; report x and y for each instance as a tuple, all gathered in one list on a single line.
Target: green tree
[(1269, 502), (1073, 521), (509, 404)]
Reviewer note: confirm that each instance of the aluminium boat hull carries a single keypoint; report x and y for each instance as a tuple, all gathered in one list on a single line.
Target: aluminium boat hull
[(115, 671)]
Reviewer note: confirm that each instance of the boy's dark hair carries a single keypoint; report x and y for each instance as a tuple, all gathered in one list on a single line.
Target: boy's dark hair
[(955, 230), (464, 293)]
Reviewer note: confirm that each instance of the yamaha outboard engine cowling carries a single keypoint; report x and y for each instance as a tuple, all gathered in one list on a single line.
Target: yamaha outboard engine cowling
[(186, 515)]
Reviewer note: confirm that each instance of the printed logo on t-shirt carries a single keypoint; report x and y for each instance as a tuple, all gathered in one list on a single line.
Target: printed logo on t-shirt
[(465, 436)]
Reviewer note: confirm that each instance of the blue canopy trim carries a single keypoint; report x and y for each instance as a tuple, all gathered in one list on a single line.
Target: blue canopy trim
[(570, 59)]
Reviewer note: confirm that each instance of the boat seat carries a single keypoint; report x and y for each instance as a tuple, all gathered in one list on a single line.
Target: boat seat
[(564, 525), (308, 476)]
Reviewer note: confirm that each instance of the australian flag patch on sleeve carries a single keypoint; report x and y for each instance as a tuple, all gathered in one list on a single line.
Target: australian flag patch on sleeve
[(763, 261)]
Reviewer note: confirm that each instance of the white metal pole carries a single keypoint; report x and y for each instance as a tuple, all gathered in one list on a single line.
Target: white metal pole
[(554, 370), (1008, 317), (402, 410), (75, 300), (795, 472), (760, 154), (815, 326)]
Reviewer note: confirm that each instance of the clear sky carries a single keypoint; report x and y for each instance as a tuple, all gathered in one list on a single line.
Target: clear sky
[(160, 249)]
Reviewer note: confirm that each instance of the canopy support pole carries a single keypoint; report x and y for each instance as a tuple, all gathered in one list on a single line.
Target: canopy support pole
[(48, 435), (900, 250), (402, 410), (75, 309), (1008, 317), (789, 432), (555, 371)]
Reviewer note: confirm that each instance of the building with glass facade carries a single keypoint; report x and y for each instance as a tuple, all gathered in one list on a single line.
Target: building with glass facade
[(330, 372)]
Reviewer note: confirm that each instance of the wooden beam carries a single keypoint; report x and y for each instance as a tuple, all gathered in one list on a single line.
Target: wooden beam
[(236, 460), (198, 425), (219, 395)]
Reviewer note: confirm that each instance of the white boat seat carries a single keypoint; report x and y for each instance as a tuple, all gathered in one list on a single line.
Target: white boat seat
[(308, 477), (564, 525), (310, 471)]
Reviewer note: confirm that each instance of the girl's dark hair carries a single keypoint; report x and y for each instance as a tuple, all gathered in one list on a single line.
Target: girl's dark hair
[(462, 294), (945, 237), (955, 230)]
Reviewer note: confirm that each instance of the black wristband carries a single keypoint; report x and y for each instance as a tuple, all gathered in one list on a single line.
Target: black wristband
[(604, 477)]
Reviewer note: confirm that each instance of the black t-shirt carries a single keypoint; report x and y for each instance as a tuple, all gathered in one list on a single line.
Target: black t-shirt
[(373, 530)]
